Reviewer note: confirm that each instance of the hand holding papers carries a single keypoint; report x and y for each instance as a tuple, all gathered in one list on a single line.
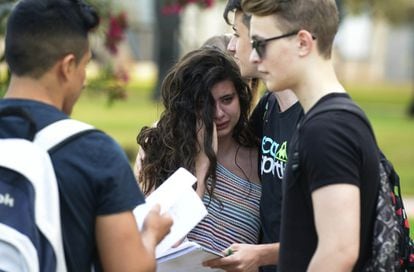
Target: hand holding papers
[(177, 197)]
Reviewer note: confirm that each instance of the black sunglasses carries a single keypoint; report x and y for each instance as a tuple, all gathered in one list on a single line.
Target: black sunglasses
[(260, 45)]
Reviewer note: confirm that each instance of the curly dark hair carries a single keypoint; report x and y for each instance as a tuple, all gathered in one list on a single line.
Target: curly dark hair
[(186, 96)]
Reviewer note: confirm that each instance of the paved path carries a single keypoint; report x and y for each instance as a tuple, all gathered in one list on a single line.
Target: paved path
[(409, 206)]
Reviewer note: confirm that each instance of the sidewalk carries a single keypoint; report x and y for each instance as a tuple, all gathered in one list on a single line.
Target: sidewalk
[(409, 206)]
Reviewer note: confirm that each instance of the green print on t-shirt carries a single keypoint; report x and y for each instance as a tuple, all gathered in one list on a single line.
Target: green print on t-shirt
[(274, 157)]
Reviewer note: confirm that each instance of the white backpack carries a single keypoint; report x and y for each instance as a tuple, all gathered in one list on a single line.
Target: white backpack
[(30, 227)]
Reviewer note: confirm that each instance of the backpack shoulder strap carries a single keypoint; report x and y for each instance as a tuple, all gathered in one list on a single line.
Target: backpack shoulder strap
[(34, 164), (38, 168), (339, 103), (57, 132)]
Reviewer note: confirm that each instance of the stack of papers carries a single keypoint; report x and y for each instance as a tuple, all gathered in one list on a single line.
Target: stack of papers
[(177, 197), (187, 257)]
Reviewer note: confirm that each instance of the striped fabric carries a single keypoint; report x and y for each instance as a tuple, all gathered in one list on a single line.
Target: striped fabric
[(233, 213)]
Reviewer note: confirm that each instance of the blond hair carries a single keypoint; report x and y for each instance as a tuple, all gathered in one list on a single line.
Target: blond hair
[(319, 17)]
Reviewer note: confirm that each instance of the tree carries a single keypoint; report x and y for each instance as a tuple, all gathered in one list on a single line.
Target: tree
[(5, 8), (396, 11), (166, 49), (109, 82), (167, 35)]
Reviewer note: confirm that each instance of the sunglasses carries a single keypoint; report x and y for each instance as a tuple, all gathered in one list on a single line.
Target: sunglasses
[(260, 44)]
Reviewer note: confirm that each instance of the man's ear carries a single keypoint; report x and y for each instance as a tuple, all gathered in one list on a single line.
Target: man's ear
[(67, 65), (306, 43)]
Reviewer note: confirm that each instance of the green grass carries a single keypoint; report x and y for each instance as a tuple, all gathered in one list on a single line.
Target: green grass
[(124, 118), (386, 107)]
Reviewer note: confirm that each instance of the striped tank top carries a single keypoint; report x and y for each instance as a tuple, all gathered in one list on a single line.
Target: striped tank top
[(233, 213)]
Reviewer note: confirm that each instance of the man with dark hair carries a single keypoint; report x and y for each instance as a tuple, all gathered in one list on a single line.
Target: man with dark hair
[(332, 177), (47, 50), (273, 120)]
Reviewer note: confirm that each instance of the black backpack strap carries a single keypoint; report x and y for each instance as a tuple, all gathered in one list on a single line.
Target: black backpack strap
[(341, 103), (338, 103), (19, 112), (267, 110)]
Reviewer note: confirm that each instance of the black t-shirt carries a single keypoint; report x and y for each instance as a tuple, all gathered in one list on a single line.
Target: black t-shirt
[(94, 178), (334, 147), (274, 129)]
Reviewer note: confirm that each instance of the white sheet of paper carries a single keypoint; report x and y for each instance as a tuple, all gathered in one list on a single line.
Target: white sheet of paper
[(176, 197), (187, 257)]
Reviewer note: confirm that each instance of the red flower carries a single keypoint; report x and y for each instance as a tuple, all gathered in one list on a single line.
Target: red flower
[(171, 9), (115, 32), (176, 6), (209, 3)]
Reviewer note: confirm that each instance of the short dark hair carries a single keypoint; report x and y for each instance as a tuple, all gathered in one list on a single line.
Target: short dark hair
[(40, 32), (233, 6)]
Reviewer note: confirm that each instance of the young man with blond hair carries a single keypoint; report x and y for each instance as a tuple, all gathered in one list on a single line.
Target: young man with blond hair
[(330, 187)]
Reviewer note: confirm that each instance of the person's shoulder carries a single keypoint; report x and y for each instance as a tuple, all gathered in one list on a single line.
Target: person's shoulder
[(248, 151), (266, 103), (267, 95), (336, 126), (97, 139), (94, 147), (329, 106), (330, 119), (295, 111)]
